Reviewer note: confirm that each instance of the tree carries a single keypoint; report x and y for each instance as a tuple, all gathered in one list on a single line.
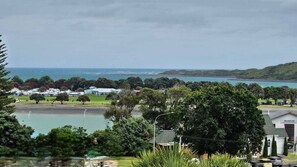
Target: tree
[(292, 94), (105, 142), (274, 147), (46, 81), (67, 141), (135, 134), (286, 147), (256, 90), (83, 98), (135, 82), (122, 105), (153, 103), (62, 97), (37, 97), (219, 119), (5, 83), (15, 138), (265, 149)]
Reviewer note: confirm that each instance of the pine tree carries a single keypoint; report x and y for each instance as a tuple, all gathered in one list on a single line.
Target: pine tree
[(274, 147), (265, 149), (5, 83), (286, 147), (15, 138)]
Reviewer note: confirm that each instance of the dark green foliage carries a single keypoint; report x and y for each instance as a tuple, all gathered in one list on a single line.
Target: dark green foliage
[(62, 97), (83, 98), (37, 97), (15, 139), (292, 94), (67, 141), (105, 142), (286, 147), (219, 119), (274, 147), (46, 81), (5, 83), (135, 82), (265, 149), (135, 134), (121, 106)]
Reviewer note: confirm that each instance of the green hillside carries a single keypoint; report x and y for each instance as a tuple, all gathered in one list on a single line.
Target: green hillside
[(286, 71)]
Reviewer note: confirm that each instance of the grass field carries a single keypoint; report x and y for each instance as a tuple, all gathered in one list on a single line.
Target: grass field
[(95, 101)]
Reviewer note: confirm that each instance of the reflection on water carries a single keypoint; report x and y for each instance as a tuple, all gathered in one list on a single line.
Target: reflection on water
[(43, 123)]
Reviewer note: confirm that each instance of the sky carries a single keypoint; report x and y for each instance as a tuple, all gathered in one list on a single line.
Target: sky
[(165, 34)]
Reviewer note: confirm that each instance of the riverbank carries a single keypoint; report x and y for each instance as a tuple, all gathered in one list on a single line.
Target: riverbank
[(62, 109)]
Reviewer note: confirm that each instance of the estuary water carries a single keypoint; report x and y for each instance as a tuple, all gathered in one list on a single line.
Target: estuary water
[(121, 73)]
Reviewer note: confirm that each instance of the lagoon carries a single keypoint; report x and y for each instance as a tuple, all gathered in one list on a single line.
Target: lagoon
[(44, 122)]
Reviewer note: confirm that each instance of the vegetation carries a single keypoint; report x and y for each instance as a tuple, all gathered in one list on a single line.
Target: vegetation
[(219, 119), (83, 99), (173, 158), (37, 97), (62, 97), (135, 134), (274, 147), (15, 139), (265, 149), (286, 71), (165, 157), (121, 106)]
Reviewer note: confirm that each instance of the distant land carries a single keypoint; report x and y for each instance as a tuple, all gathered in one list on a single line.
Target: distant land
[(281, 72)]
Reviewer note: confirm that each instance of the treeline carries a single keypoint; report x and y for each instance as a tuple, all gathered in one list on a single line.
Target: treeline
[(127, 137), (278, 94)]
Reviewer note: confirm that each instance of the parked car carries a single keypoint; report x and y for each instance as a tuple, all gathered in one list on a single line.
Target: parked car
[(290, 145), (276, 161)]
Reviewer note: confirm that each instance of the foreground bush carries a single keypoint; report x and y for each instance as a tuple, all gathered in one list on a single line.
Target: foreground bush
[(165, 157), (171, 157)]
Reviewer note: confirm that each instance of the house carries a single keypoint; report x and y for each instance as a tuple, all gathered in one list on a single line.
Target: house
[(278, 133), (165, 138), (286, 120)]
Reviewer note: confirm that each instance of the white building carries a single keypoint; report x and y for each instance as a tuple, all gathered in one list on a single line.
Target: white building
[(286, 120), (101, 91), (278, 133)]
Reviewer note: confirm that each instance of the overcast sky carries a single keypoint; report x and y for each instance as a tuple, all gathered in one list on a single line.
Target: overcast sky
[(183, 34)]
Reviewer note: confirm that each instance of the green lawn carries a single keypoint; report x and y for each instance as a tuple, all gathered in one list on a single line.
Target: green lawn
[(124, 161), (291, 158), (95, 101)]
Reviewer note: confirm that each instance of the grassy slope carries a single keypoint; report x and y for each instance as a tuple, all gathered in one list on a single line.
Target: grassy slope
[(279, 72), (95, 101)]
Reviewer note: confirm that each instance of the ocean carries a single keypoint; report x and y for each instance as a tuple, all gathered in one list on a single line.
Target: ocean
[(123, 73)]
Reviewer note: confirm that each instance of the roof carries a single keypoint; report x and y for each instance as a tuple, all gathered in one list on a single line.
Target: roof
[(278, 114), (165, 137), (271, 130)]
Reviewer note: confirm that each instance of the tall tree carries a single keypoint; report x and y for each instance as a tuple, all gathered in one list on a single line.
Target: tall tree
[(15, 139), (274, 147), (265, 149), (219, 119), (5, 83), (292, 93)]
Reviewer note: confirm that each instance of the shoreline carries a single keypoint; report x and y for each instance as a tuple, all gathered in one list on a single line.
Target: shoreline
[(65, 110)]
